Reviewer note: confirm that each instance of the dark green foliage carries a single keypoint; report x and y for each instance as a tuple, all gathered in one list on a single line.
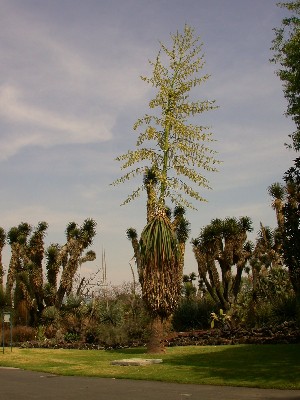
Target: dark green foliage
[(50, 316), (285, 309), (131, 233), (291, 237), (286, 47), (160, 258), (275, 300), (193, 313)]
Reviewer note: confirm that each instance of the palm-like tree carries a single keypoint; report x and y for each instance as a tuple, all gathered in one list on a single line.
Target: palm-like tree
[(133, 237), (278, 193), (161, 274), (159, 256), (180, 154)]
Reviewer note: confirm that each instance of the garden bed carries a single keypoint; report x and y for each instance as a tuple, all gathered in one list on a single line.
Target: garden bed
[(286, 333)]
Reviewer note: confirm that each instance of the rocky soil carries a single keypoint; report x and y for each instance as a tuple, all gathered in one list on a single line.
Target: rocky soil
[(285, 333)]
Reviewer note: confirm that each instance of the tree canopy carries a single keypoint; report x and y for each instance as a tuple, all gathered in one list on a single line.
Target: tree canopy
[(286, 47)]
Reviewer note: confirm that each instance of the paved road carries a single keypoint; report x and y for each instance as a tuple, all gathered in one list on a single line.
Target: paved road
[(16, 384)]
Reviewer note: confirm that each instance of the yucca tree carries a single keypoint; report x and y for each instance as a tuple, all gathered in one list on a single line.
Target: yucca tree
[(171, 168), (159, 255), (24, 300), (26, 268), (53, 264), (160, 259), (35, 266), (264, 257), (2, 244), (278, 193), (223, 243), (181, 227), (18, 239), (71, 255)]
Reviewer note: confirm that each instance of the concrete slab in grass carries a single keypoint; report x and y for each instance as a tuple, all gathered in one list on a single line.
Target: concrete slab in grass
[(137, 361)]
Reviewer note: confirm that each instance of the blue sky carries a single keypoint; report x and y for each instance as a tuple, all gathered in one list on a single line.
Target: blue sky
[(70, 93)]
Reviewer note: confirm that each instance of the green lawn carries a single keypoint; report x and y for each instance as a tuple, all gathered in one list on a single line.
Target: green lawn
[(263, 366)]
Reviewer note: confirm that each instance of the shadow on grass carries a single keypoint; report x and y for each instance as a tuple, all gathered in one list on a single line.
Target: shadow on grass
[(259, 365), (130, 351)]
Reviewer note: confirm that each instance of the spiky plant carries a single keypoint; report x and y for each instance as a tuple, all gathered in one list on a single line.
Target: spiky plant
[(160, 257), (277, 192), (133, 237), (161, 274), (52, 264)]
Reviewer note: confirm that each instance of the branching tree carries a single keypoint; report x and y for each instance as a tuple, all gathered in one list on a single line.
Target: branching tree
[(25, 271), (286, 47), (25, 281), (18, 239), (221, 246), (71, 255), (171, 154)]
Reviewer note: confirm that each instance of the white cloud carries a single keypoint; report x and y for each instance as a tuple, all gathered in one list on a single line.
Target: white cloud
[(46, 128)]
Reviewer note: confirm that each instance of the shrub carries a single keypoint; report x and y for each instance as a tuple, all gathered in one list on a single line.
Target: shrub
[(284, 309), (50, 315), (193, 313), (19, 334), (71, 337)]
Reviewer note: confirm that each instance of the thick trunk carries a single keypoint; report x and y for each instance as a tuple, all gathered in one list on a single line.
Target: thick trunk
[(155, 344)]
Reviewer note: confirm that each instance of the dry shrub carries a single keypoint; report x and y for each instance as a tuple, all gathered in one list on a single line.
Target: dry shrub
[(19, 334)]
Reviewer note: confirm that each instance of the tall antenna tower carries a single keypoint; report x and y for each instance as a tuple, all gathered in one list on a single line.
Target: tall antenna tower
[(103, 267)]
